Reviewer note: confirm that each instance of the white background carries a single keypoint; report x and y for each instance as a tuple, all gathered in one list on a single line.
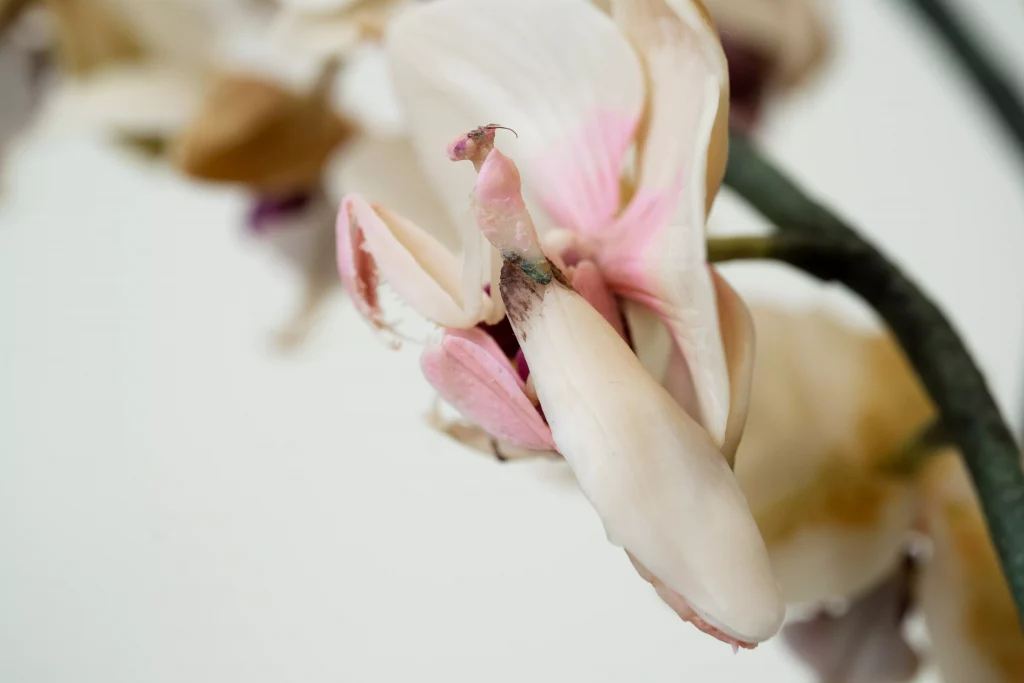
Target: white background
[(178, 503)]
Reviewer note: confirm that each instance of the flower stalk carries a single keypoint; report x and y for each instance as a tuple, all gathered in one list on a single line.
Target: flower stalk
[(816, 241)]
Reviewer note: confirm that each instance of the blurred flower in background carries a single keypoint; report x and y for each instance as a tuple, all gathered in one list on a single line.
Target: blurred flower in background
[(132, 68), (772, 46), (336, 27), (256, 132), (842, 497)]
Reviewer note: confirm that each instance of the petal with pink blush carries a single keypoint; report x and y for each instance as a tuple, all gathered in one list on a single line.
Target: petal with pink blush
[(685, 141), (375, 244), (685, 300), (680, 164), (682, 608), (469, 371), (576, 192), (587, 280), (558, 72)]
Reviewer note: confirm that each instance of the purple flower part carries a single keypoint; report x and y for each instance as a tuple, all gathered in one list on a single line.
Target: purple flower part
[(865, 644), (502, 333), (521, 366), (749, 71), (269, 212)]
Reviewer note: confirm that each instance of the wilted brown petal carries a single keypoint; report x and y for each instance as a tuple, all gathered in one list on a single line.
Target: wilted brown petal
[(254, 131)]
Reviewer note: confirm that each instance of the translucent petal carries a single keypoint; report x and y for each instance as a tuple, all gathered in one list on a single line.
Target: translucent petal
[(375, 244), (649, 255), (556, 71), (659, 484)]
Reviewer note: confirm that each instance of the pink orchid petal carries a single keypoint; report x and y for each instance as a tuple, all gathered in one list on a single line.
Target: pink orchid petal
[(685, 142), (647, 255), (376, 244), (578, 179), (587, 280), (469, 371), (686, 301), (558, 72)]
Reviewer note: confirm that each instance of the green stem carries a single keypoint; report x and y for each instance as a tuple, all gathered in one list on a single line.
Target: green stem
[(991, 80), (816, 241)]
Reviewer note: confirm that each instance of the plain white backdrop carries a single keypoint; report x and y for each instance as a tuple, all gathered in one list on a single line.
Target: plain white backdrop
[(179, 503)]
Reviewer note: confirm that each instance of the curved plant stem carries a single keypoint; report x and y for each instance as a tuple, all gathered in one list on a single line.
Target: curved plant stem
[(816, 241), (990, 79)]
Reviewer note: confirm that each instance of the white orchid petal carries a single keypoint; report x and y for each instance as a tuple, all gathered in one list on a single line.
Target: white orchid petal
[(556, 71), (659, 484), (475, 258), (680, 166), (685, 140), (652, 341), (374, 244), (386, 169), (737, 326)]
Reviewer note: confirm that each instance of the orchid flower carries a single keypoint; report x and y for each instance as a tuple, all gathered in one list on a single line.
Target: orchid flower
[(621, 131), (830, 408)]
